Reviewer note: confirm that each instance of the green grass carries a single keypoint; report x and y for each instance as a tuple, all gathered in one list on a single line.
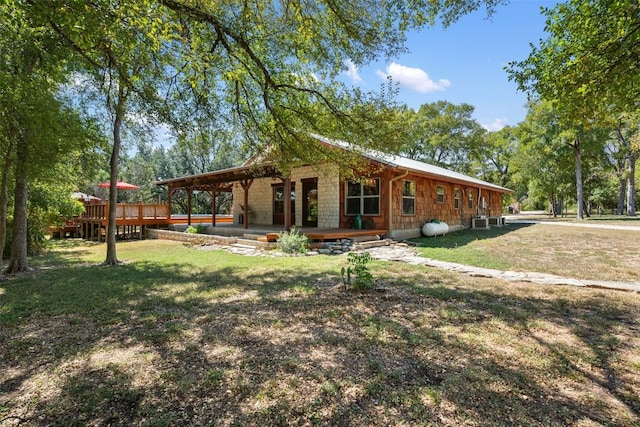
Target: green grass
[(181, 336)]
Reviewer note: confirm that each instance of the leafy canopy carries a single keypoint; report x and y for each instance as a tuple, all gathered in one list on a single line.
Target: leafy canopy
[(589, 62)]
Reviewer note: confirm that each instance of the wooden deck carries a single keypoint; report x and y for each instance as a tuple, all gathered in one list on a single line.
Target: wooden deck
[(132, 219)]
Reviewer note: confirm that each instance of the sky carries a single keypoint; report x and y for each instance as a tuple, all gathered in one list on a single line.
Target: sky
[(465, 63)]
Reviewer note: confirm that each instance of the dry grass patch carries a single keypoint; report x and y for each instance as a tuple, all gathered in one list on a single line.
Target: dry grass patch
[(581, 253)]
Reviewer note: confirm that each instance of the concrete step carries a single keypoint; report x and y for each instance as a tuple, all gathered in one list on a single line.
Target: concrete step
[(253, 243), (373, 244)]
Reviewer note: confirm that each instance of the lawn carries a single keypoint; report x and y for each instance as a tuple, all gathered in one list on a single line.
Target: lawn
[(581, 253), (184, 336)]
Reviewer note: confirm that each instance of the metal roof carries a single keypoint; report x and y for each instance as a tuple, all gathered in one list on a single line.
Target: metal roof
[(411, 165)]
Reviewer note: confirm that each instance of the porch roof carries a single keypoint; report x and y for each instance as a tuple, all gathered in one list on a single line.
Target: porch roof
[(221, 180)]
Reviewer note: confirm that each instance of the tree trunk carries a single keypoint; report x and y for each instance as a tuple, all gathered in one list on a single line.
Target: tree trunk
[(631, 187), (18, 261), (552, 205), (119, 111), (4, 201), (621, 195), (577, 147)]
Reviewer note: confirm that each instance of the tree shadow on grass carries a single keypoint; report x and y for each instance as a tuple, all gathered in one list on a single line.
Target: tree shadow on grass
[(162, 345), (595, 323)]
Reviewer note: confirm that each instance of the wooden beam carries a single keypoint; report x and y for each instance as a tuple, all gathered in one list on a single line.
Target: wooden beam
[(169, 195)]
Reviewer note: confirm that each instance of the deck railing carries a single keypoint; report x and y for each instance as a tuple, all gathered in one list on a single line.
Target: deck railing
[(100, 211)]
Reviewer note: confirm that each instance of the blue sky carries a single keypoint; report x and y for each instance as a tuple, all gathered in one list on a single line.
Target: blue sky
[(465, 63)]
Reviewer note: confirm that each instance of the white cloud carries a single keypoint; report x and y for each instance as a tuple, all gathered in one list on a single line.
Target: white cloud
[(352, 71), (497, 124), (413, 78)]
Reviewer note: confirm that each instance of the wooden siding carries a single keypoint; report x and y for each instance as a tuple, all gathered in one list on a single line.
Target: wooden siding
[(427, 206)]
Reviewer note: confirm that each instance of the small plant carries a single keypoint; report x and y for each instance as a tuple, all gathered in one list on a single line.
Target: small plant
[(293, 242), (198, 229), (357, 274)]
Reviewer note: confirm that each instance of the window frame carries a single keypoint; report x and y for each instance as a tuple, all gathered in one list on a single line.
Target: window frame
[(470, 198), (410, 197), (456, 198), (440, 194), (362, 197)]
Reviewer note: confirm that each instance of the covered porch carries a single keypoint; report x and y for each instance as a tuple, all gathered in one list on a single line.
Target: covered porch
[(273, 196), (222, 181)]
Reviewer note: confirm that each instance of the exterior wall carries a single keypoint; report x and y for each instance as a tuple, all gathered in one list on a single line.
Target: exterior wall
[(427, 206), (261, 197), (331, 202)]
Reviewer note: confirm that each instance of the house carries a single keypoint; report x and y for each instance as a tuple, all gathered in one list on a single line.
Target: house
[(398, 197)]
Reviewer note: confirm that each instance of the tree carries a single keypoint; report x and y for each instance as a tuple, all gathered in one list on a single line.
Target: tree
[(543, 161), (496, 154), (31, 115), (444, 134), (589, 62), (7, 154), (627, 136), (39, 130), (587, 66)]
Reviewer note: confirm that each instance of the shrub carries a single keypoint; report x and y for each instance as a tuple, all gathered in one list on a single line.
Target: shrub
[(292, 242), (357, 274), (191, 230)]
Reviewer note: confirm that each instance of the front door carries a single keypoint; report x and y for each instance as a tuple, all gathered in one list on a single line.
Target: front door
[(278, 204), (310, 202)]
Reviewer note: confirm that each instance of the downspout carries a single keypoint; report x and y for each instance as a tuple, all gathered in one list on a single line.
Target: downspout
[(390, 211)]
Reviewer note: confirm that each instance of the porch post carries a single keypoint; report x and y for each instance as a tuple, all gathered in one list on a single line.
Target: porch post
[(189, 191), (169, 194), (213, 194), (287, 203), (245, 186)]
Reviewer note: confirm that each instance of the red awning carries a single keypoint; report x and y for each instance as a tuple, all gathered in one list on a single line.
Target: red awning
[(120, 185)]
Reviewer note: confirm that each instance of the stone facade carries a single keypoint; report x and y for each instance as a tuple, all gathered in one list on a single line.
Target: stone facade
[(261, 197)]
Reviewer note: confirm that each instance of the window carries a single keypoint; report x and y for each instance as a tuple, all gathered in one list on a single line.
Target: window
[(363, 197), (440, 193), (408, 197), (470, 199), (456, 198)]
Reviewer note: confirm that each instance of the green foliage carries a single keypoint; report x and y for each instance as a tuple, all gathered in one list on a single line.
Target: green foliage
[(588, 64), (293, 242), (443, 134), (357, 274), (198, 229)]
